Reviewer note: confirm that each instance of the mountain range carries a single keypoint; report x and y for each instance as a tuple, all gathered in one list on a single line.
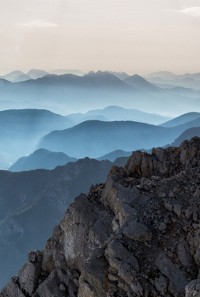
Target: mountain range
[(44, 159), (24, 131), (21, 129), (95, 90), (117, 113), (161, 79), (97, 138), (135, 231), (19, 76), (168, 79)]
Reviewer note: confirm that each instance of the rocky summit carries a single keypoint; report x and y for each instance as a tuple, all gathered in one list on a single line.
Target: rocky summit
[(136, 235)]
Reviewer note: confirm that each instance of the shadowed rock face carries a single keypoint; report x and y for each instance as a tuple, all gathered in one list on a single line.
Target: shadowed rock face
[(135, 235), (33, 202)]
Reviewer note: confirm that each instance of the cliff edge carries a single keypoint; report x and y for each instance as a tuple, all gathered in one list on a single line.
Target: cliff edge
[(136, 235)]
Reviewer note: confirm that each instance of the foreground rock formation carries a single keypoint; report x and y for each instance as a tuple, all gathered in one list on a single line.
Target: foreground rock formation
[(136, 235), (32, 202)]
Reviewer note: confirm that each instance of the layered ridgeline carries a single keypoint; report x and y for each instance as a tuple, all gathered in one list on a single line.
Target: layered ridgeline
[(97, 138), (33, 202), (19, 76), (187, 134), (94, 90), (171, 80), (102, 140), (44, 159), (21, 129), (41, 159), (189, 117), (118, 113), (135, 235)]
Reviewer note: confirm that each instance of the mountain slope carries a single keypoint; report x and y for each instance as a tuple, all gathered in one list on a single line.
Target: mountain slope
[(136, 235), (41, 159), (162, 74), (121, 75), (112, 156), (96, 138), (188, 80), (4, 82), (33, 202), (140, 83), (16, 76), (20, 131), (37, 73), (187, 135), (117, 113), (90, 80), (182, 119)]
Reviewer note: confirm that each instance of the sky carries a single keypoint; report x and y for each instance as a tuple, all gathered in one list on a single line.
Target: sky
[(135, 36)]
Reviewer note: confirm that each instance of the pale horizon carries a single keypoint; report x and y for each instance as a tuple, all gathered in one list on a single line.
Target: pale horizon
[(132, 36), (25, 71)]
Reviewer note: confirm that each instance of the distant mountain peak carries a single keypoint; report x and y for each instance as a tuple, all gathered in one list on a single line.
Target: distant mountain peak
[(16, 76), (163, 72), (100, 73), (15, 72), (140, 83), (121, 75), (137, 76), (67, 71), (37, 73), (182, 119), (41, 159)]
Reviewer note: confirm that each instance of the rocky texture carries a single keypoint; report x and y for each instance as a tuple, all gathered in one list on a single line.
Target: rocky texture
[(33, 202), (136, 235)]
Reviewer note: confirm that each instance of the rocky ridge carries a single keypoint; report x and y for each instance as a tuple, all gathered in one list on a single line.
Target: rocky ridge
[(136, 235), (36, 202)]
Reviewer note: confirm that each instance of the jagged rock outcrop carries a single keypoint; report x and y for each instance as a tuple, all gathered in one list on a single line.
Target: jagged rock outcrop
[(136, 235), (33, 202)]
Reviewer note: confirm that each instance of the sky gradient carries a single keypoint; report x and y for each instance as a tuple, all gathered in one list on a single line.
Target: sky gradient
[(136, 36)]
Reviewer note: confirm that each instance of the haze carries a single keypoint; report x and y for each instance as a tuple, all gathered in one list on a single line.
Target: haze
[(133, 36)]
